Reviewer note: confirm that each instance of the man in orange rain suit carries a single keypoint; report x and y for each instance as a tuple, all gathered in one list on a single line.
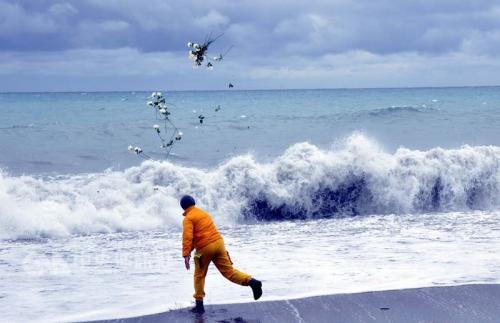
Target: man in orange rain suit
[(200, 233)]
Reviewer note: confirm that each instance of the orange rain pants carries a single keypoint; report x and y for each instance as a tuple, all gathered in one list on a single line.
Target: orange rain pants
[(215, 252)]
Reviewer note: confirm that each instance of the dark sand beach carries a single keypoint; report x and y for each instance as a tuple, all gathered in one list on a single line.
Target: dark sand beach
[(464, 303)]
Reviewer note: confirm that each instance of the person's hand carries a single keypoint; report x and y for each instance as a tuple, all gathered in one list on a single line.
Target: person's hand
[(186, 262)]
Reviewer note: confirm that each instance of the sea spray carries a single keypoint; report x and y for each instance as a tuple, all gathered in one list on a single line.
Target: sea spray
[(355, 178)]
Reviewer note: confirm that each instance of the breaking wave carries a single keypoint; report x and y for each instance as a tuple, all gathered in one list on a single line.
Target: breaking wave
[(356, 177)]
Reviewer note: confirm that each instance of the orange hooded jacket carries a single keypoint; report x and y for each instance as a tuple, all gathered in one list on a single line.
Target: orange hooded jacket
[(198, 230)]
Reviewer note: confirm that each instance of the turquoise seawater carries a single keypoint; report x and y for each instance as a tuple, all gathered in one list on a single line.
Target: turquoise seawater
[(70, 133)]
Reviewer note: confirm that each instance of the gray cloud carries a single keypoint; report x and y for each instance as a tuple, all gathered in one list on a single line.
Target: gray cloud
[(297, 41), (316, 27)]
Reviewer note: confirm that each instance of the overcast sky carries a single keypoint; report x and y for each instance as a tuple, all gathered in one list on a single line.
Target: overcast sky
[(86, 45)]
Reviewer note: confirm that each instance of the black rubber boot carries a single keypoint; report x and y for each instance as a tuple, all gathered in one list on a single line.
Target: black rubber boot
[(199, 308), (256, 288)]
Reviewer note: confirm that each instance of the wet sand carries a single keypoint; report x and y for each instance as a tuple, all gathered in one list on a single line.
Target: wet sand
[(465, 303)]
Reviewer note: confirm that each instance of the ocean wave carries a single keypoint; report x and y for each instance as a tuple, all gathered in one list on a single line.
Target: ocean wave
[(18, 126), (399, 109), (354, 178)]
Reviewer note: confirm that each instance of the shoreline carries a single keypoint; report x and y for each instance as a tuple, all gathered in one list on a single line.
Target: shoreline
[(462, 303)]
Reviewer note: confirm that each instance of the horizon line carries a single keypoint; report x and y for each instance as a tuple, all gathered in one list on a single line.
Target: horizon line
[(272, 89)]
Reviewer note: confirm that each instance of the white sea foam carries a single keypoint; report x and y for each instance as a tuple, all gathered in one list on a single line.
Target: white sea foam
[(354, 178), (136, 273)]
